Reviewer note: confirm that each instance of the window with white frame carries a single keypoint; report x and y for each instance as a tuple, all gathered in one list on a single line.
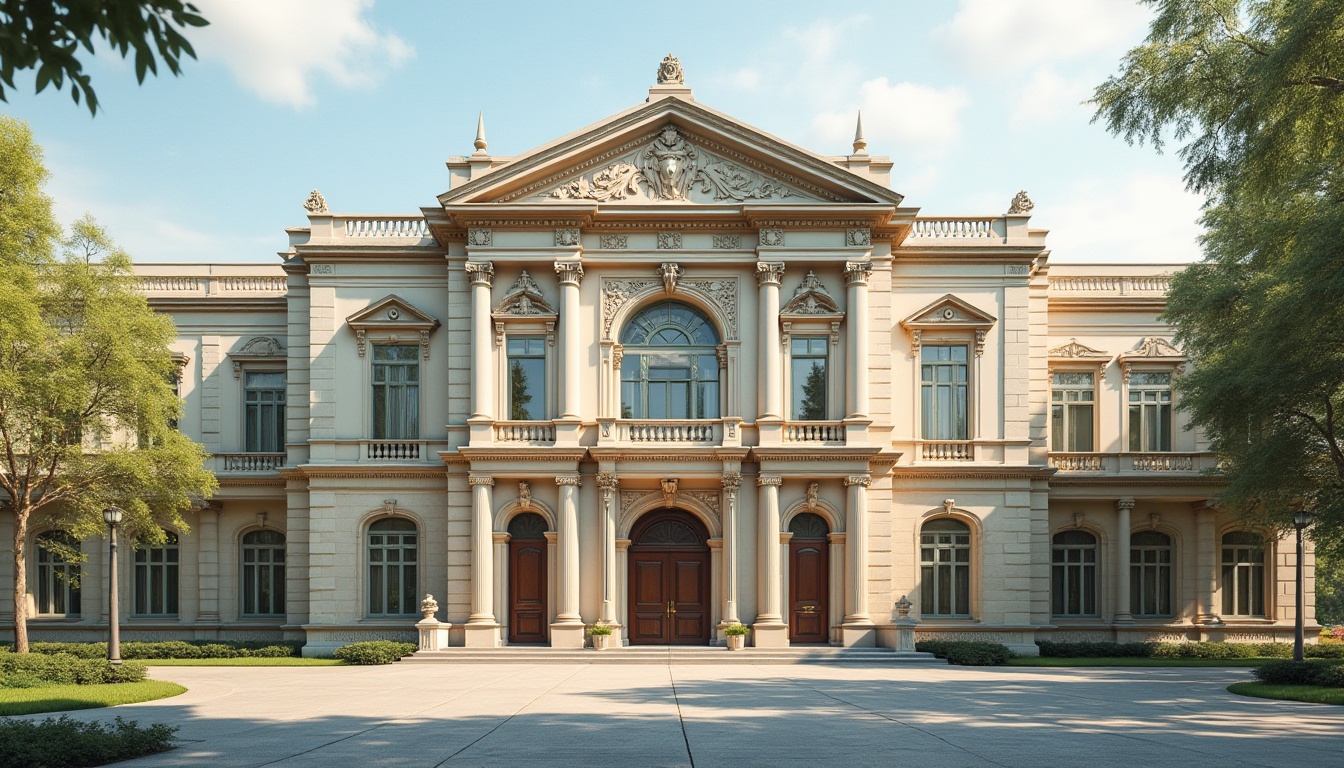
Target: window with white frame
[(945, 568), (156, 578), (1073, 574), (670, 365), (944, 384), (263, 573), (57, 574), (396, 392), (1150, 573), (264, 411), (527, 378), (1243, 574), (1149, 411), (393, 562), (808, 357), (1072, 406)]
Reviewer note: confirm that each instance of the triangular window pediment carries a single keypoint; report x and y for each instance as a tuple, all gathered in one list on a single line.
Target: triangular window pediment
[(811, 299), (395, 319), (524, 299), (949, 312)]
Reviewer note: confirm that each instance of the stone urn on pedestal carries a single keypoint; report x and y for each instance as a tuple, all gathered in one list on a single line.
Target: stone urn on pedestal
[(736, 636)]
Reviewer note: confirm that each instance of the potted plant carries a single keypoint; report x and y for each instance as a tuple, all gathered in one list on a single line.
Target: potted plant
[(737, 636), (601, 634)]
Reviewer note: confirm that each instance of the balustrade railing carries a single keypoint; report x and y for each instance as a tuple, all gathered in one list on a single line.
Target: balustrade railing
[(982, 227), (534, 432), (1116, 284), (947, 450), (386, 226), (250, 462), (398, 450), (1078, 462), (1159, 462), (660, 431), (823, 432)]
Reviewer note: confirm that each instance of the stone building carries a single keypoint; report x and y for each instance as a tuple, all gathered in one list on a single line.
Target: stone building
[(668, 373)]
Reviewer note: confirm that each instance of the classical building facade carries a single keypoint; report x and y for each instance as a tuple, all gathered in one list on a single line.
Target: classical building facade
[(670, 373)]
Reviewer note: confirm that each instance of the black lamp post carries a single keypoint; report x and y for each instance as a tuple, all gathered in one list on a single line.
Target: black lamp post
[(1300, 521), (113, 517)]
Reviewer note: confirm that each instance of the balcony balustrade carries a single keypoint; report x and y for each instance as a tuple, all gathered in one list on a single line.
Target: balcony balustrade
[(249, 462), (814, 432), (947, 450), (525, 432)]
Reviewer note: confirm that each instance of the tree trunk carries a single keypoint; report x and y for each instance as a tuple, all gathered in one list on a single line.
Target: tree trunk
[(20, 581)]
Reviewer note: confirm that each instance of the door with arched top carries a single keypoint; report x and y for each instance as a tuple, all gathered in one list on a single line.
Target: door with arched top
[(669, 580), (809, 579), (527, 579)]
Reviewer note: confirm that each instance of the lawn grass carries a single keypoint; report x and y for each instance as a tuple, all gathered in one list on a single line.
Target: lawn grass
[(285, 661), (1309, 693), (61, 698), (1052, 661)]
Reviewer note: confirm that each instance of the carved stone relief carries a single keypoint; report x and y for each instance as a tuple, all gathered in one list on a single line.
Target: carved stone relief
[(567, 236), (772, 237), (727, 241), (614, 242), (315, 203), (1074, 349), (524, 299), (616, 293), (859, 237), (669, 72), (811, 298), (478, 236), (669, 240), (1021, 203)]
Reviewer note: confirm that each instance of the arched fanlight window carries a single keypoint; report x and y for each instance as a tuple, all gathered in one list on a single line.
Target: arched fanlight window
[(670, 367)]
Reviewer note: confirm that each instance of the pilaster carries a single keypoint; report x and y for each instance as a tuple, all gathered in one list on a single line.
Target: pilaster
[(567, 631), (1123, 508), (770, 629), (858, 629)]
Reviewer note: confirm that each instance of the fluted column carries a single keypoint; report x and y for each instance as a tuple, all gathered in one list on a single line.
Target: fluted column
[(732, 481), (481, 273), (608, 482), (856, 549), (1206, 561), (1123, 508), (568, 612), (570, 272), (482, 555), (856, 339), (771, 360), (772, 610)]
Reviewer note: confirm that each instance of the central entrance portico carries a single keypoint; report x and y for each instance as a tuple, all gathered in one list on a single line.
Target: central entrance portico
[(669, 580)]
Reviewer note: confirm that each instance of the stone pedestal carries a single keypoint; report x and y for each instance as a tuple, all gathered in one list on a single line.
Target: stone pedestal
[(482, 635), (771, 635), (567, 635), (433, 634), (905, 634), (858, 635)]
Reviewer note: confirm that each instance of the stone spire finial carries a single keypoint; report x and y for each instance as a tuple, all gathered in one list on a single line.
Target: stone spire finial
[(480, 133), (860, 143)]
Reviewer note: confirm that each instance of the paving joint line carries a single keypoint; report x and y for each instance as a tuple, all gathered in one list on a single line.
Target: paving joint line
[(501, 723)]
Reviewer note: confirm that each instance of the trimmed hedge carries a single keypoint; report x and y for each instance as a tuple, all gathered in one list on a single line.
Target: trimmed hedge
[(967, 653), (176, 649), (1327, 674), (29, 670), (1184, 650), (374, 652), (71, 743)]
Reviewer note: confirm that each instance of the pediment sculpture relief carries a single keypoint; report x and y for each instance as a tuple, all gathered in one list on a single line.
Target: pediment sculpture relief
[(811, 298), (1074, 349), (1153, 346), (524, 299)]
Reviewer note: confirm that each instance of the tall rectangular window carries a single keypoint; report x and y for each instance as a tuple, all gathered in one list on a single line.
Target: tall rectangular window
[(1150, 574), (1071, 404), (807, 356), (943, 375), (264, 412), (527, 379), (1243, 582), (1149, 411), (264, 573), (156, 579), (396, 392)]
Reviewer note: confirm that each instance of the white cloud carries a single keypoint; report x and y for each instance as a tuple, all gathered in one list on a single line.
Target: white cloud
[(904, 114), (1005, 37), (1047, 96), (280, 49), (1145, 217)]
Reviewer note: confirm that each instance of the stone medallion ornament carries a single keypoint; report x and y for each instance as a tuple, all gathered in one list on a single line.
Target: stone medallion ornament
[(669, 72)]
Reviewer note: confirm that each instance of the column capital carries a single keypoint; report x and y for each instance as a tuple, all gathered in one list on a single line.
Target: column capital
[(769, 272), (732, 481), (607, 481), (568, 480), (480, 272), (857, 272), (570, 272), (480, 480), (863, 480), (766, 480), (1125, 503)]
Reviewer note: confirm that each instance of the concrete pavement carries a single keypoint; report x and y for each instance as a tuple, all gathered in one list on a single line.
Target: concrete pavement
[(702, 716)]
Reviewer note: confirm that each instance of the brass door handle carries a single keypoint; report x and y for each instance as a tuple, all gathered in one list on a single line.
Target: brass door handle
[(807, 609), (671, 608)]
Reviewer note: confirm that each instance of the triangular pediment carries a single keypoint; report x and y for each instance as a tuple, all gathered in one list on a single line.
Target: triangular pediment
[(811, 299), (390, 312), (670, 151), (949, 312)]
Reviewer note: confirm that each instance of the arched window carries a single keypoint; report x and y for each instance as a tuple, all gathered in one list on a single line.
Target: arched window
[(670, 367), (156, 578), (57, 574), (393, 557), (810, 527), (1073, 574), (945, 568), (264, 573), (1150, 574), (1243, 574)]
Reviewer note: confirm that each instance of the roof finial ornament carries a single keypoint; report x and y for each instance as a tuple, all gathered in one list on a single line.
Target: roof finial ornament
[(1021, 203), (860, 143), (480, 133), (315, 203), (669, 72)]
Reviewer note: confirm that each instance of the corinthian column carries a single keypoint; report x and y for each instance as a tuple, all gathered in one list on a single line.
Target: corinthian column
[(568, 612), (482, 631), (771, 375), (570, 272), (608, 482), (732, 481), (856, 339), (772, 611), (1123, 508), (481, 273)]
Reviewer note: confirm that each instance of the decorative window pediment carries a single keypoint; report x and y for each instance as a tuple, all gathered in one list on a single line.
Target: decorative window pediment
[(949, 314), (1153, 352), (811, 300), (1076, 355), (524, 299), (395, 319), (258, 349)]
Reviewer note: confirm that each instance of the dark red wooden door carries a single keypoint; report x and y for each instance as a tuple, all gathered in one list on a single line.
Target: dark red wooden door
[(527, 591), (669, 581), (809, 585)]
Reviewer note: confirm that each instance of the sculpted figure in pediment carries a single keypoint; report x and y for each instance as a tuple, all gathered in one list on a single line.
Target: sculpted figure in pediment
[(669, 164)]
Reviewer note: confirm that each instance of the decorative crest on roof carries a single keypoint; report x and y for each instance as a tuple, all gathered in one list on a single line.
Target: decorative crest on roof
[(1153, 346), (315, 203), (669, 72), (1021, 203)]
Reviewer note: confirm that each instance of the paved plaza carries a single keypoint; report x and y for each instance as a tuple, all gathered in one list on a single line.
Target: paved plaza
[(661, 715)]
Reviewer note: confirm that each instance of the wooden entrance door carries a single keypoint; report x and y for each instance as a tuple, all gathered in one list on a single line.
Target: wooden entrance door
[(669, 581), (528, 617), (809, 580)]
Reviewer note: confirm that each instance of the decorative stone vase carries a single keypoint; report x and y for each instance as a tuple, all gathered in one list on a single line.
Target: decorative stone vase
[(601, 642), (736, 642)]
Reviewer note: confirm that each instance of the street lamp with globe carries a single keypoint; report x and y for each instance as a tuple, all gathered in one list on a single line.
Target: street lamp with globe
[(112, 516)]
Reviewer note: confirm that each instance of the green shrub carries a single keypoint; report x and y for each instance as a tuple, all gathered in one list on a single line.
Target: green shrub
[(1330, 651), (967, 653), (175, 649), (68, 742), (736, 630), (67, 669), (1170, 650), (82, 650), (374, 652), (1323, 673), (1093, 650)]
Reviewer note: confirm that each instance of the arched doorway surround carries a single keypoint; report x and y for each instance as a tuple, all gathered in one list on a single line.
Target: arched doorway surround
[(809, 579), (528, 604), (669, 580)]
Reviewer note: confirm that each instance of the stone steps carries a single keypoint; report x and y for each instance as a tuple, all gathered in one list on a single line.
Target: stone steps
[(672, 655)]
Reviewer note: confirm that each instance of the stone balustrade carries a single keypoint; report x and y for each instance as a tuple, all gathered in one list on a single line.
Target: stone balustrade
[(947, 450), (249, 462), (815, 432), (212, 285), (1132, 462), (1116, 285), (1078, 462), (669, 432), (960, 228), (414, 227), (1159, 462), (528, 432), (392, 450)]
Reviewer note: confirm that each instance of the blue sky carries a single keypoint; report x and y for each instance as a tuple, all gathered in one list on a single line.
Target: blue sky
[(973, 100)]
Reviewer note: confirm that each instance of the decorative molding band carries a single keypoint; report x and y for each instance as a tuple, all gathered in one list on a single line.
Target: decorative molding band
[(569, 480), (768, 480), (486, 480), (863, 480)]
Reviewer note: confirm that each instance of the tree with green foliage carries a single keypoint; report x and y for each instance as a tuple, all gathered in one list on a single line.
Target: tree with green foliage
[(813, 407), (518, 395), (86, 403), (1255, 91), (46, 35)]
